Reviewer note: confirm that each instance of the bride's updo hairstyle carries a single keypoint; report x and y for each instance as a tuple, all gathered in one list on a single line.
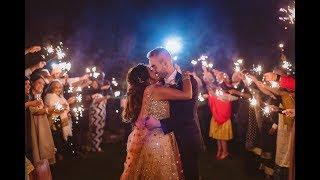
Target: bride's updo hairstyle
[(137, 80)]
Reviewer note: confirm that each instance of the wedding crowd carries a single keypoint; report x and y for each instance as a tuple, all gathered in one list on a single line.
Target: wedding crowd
[(59, 113), (257, 110), (257, 114)]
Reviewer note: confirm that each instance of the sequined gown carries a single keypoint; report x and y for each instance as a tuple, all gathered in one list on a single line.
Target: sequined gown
[(152, 154)]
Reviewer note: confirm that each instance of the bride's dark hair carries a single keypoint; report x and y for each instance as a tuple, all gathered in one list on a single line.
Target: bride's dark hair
[(137, 80)]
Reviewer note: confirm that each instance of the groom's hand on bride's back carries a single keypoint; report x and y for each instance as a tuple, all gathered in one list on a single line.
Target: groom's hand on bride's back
[(152, 123)]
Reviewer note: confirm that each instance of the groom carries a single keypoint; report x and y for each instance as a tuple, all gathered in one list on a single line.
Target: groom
[(183, 113)]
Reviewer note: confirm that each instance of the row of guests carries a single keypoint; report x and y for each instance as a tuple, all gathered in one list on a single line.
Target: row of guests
[(268, 136), (49, 128)]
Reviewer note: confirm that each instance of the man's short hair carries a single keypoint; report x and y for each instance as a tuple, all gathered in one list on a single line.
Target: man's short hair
[(157, 51)]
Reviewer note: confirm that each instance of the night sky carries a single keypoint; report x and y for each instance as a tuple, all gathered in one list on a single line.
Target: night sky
[(118, 34)]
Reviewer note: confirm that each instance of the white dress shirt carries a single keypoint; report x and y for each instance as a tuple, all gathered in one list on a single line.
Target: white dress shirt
[(171, 79)]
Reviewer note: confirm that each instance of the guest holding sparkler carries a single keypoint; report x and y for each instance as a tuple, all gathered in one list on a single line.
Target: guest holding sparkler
[(28, 145), (43, 149), (242, 107), (32, 49), (60, 120), (267, 135), (284, 128), (220, 105), (97, 115), (31, 69)]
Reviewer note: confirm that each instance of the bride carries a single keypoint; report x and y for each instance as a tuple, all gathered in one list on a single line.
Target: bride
[(151, 154)]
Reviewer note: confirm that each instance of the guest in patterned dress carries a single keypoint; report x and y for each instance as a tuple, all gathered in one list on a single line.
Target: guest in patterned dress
[(97, 116), (266, 139)]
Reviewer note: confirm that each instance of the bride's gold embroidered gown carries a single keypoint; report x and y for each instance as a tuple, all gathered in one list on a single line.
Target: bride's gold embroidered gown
[(152, 154)]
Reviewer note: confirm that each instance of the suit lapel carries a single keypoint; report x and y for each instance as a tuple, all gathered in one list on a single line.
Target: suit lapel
[(178, 81)]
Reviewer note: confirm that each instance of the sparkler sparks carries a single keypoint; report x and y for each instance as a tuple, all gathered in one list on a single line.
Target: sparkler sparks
[(70, 90), (49, 49), (257, 69), (253, 101), (205, 63), (117, 94), (79, 98), (238, 63), (237, 69), (200, 97), (62, 66), (281, 45), (210, 65), (266, 110), (58, 106), (194, 62), (203, 58), (274, 84), (286, 65), (289, 14), (60, 53), (114, 82), (78, 111)]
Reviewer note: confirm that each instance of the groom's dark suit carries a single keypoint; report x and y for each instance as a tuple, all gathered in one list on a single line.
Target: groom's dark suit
[(183, 122)]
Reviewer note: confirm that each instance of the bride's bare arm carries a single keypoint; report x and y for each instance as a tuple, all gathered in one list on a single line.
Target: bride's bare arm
[(166, 93)]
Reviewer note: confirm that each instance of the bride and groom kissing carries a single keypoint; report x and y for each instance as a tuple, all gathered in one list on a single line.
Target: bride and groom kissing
[(162, 106)]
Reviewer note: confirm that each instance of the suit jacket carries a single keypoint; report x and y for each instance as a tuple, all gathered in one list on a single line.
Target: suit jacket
[(183, 120)]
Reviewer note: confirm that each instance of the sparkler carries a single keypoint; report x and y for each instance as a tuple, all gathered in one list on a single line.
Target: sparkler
[(286, 65), (49, 49), (78, 111), (58, 106), (92, 72), (194, 62), (274, 84), (70, 90), (289, 14), (205, 63), (210, 65), (238, 63), (257, 69), (281, 45), (117, 94), (253, 101), (63, 66), (79, 97), (200, 97), (114, 82), (60, 53), (95, 74), (266, 110), (203, 58)]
